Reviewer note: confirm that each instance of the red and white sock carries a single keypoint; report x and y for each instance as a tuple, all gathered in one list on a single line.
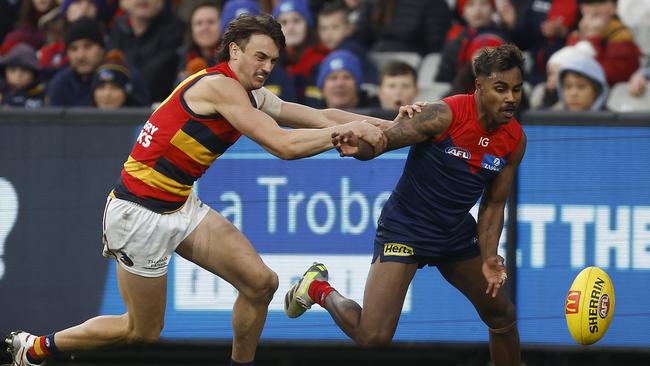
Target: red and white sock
[(319, 290)]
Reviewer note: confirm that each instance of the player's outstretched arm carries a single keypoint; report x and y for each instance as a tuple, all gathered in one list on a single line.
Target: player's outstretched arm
[(296, 115), (220, 95), (432, 120), (490, 220)]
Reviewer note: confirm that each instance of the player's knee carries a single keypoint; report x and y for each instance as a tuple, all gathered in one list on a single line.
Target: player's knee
[(374, 339), (500, 317), (264, 287)]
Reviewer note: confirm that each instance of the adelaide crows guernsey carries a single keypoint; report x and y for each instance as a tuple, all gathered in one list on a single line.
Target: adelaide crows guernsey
[(444, 177), (175, 147)]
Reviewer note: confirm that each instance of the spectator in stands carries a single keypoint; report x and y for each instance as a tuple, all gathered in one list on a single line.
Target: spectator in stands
[(398, 85), (403, 25), (21, 86), (71, 86), (639, 81), (581, 86), (463, 82), (303, 53), (77, 9), (549, 96), (615, 48), (477, 16), (31, 11), (112, 87), (541, 27), (339, 78), (202, 39), (150, 35), (335, 33)]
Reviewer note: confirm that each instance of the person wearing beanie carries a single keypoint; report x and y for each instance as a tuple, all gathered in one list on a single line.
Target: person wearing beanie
[(303, 52), (339, 79), (71, 86), (20, 86), (463, 82), (112, 86), (549, 97), (234, 8), (581, 86), (84, 48), (477, 16)]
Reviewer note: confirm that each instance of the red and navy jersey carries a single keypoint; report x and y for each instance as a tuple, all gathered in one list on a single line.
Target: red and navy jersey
[(175, 147), (444, 177)]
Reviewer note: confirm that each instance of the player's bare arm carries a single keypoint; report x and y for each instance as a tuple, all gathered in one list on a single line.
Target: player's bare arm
[(301, 116), (430, 122), (225, 96), (490, 220)]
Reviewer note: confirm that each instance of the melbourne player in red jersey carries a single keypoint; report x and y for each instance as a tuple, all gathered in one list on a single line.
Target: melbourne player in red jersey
[(462, 147), (153, 212)]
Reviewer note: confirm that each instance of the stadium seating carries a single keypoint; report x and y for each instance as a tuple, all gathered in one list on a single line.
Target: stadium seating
[(620, 100)]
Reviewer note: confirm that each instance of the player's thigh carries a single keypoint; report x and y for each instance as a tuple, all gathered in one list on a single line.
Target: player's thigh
[(384, 295), (219, 247), (467, 276), (145, 299)]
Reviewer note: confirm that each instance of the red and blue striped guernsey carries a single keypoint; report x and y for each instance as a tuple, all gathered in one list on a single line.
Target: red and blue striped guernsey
[(175, 147)]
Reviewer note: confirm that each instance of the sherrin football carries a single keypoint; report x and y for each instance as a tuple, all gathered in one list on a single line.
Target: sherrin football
[(589, 306)]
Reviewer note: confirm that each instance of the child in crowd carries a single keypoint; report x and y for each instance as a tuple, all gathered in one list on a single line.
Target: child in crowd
[(21, 86)]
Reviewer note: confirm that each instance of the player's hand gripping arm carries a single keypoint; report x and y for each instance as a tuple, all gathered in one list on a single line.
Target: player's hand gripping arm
[(490, 221), (411, 127)]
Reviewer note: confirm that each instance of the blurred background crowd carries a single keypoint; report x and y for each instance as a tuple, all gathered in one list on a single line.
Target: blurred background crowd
[(581, 55)]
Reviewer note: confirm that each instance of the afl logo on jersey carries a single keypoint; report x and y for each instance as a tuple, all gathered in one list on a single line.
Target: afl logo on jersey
[(458, 152)]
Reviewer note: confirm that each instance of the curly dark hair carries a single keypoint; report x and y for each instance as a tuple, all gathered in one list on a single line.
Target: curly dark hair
[(502, 58), (241, 29)]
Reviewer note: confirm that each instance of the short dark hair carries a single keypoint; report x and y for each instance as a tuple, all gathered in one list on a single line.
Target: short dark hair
[(241, 29), (334, 7), (502, 58), (396, 68)]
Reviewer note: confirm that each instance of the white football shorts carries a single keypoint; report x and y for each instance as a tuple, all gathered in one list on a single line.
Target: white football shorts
[(142, 241)]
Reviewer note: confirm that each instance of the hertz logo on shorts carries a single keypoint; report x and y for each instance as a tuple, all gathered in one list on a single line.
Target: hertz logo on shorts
[(397, 250)]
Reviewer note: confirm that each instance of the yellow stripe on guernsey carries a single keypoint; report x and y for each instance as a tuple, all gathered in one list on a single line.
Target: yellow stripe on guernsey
[(38, 349), (193, 148), (182, 84), (153, 178)]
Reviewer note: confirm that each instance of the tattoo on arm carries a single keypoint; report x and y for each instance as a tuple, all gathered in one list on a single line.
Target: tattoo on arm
[(433, 120)]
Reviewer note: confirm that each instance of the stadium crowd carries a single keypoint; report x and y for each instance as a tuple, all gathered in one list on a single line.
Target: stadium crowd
[(581, 54)]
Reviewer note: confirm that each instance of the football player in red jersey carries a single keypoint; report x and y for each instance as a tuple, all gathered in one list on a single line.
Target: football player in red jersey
[(462, 147)]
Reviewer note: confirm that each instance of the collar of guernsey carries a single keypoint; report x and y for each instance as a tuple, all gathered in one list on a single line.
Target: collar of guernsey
[(161, 178)]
